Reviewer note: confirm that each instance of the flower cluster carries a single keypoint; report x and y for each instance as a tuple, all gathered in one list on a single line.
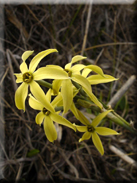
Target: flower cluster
[(73, 80)]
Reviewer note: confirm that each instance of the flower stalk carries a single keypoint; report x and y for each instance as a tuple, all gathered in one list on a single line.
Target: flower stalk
[(84, 101)]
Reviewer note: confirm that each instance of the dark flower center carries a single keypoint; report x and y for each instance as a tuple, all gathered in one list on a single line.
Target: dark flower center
[(90, 128), (27, 77), (45, 111), (69, 72)]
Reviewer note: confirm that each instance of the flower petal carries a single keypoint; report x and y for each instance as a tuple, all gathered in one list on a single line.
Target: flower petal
[(20, 96), (49, 129), (79, 115), (35, 61), (81, 128), (68, 66), (98, 118), (60, 120), (56, 100), (96, 69), (26, 54), (93, 98), (56, 86), (35, 104), (82, 81), (97, 79), (54, 66), (48, 95), (86, 72), (23, 67), (40, 95), (74, 110), (39, 118), (77, 68), (106, 131), (19, 78), (67, 94), (77, 58), (85, 136), (97, 142), (50, 73)]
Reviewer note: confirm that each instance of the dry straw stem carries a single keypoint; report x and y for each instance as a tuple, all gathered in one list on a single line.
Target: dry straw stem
[(87, 27), (122, 91), (123, 156)]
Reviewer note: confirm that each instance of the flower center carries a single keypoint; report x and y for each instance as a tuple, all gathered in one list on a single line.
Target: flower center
[(90, 129), (27, 77), (69, 72), (45, 111)]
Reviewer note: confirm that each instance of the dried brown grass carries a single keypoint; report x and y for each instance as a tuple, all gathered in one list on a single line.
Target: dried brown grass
[(39, 27)]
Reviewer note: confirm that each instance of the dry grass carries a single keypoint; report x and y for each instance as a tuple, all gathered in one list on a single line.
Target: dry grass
[(63, 27)]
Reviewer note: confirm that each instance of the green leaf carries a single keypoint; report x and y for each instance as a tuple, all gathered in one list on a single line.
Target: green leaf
[(32, 153)]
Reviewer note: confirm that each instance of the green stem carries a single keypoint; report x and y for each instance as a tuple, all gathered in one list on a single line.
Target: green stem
[(84, 101), (112, 115), (44, 83)]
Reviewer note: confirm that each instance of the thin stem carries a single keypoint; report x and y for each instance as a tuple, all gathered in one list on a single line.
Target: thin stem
[(44, 83), (85, 101)]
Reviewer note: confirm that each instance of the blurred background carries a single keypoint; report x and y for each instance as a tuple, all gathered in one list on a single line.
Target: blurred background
[(105, 35)]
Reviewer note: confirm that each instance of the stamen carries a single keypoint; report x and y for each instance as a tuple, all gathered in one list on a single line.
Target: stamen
[(45, 111), (27, 77), (90, 128)]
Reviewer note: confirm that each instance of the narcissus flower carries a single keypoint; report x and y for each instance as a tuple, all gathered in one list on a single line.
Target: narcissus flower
[(28, 77), (72, 74), (47, 117), (92, 129)]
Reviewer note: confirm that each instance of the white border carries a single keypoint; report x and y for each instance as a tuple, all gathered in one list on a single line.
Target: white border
[(67, 1)]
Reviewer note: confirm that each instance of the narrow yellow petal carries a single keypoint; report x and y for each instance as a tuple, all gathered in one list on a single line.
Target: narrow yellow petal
[(39, 118), (26, 54), (56, 86), (50, 73), (35, 61), (106, 131), (98, 118), (79, 115), (81, 128), (67, 94), (77, 58), (97, 79), (85, 136), (93, 98), (54, 66), (19, 78), (49, 129), (97, 142), (40, 95), (86, 72), (74, 110), (56, 100), (35, 104), (48, 95), (68, 66), (77, 68), (96, 69), (20, 96), (82, 81), (24, 67), (62, 121)]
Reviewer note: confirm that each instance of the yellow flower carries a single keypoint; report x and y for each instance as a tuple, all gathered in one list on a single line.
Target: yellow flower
[(28, 77), (96, 79), (47, 117), (72, 74), (92, 129)]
